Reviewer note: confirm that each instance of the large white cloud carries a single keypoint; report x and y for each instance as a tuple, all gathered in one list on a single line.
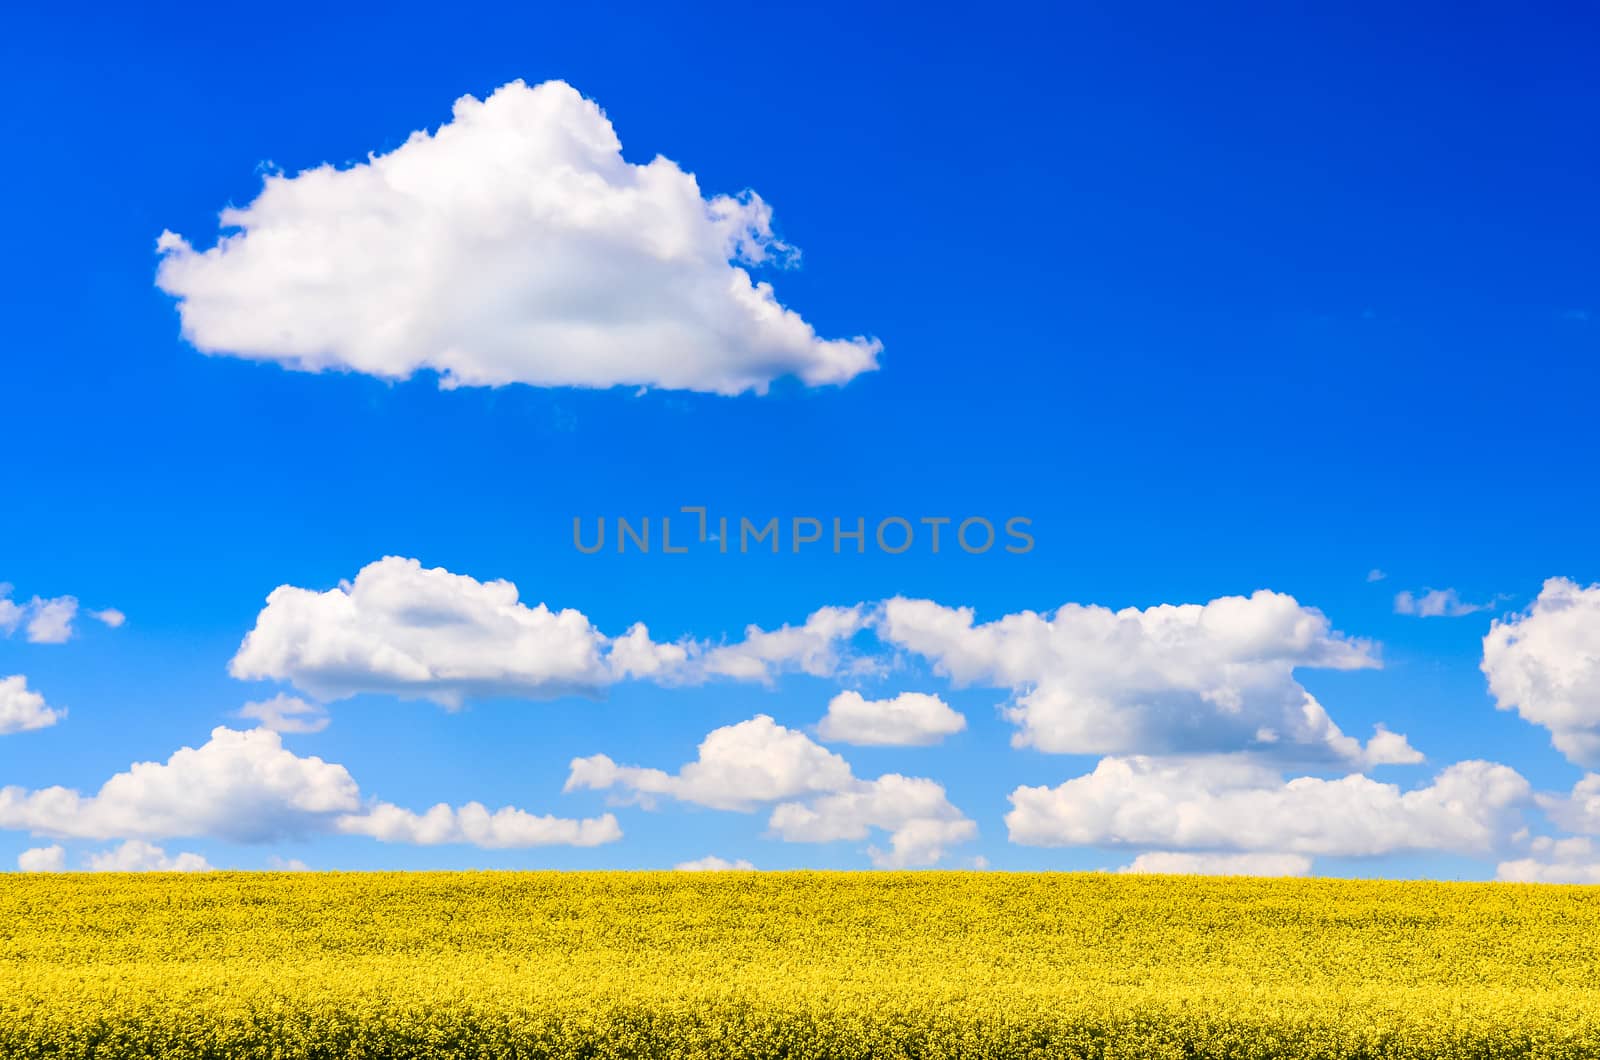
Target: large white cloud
[(1545, 665), (1232, 803), (246, 787), (413, 631), (513, 245), (22, 709), (742, 766), (475, 824), (1171, 678), (419, 632), (908, 720), (238, 786)]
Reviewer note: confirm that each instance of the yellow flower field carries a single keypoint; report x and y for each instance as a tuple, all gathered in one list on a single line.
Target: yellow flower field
[(824, 965)]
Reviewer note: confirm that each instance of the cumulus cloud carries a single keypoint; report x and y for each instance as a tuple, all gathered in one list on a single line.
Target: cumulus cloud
[(419, 632), (742, 766), (109, 616), (909, 719), (712, 863), (1185, 678), (920, 820), (284, 713), (52, 858), (246, 787), (238, 786), (473, 823), (1233, 803), (1579, 810), (1176, 863), (1435, 603), (739, 767), (22, 709), (136, 855), (513, 245), (1545, 665), (1554, 861), (50, 621)]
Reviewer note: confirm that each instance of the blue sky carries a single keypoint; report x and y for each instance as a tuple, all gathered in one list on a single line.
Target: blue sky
[(1265, 300)]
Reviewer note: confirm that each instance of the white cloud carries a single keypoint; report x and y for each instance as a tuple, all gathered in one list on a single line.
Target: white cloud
[(1545, 665), (813, 648), (136, 855), (513, 245), (738, 767), (43, 859), (280, 864), (1554, 861), (507, 827), (1174, 863), (742, 766), (50, 621), (1435, 603), (11, 612), (920, 820), (284, 713), (1390, 749), (246, 787), (909, 719), (1578, 811), (1376, 575), (420, 632), (46, 620), (238, 786), (712, 863), (1231, 803), (1088, 680), (22, 709)]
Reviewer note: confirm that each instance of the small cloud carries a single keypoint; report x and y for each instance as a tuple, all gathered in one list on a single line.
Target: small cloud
[(284, 713), (980, 863), (1376, 575), (43, 859), (1435, 603), (47, 620), (1180, 863), (277, 864), (50, 621), (713, 863), (22, 709), (136, 855)]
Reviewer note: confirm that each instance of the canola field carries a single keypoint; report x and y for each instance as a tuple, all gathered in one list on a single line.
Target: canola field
[(792, 965)]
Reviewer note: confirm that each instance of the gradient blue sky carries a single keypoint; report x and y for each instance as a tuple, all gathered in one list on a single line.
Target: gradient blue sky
[(1261, 298)]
